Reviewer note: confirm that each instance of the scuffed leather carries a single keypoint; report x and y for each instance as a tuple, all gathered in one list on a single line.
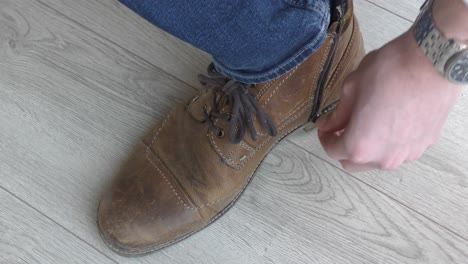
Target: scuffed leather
[(182, 176)]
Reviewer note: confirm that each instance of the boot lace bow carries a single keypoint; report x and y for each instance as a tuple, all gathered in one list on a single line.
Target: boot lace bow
[(244, 107)]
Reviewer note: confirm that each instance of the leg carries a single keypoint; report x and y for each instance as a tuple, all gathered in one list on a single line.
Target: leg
[(250, 40)]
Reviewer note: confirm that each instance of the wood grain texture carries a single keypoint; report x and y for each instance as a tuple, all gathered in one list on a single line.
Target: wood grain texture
[(314, 196), (120, 25), (408, 10), (72, 105), (75, 97), (377, 25), (26, 236)]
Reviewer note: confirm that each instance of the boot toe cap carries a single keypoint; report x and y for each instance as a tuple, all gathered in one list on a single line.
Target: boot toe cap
[(144, 210)]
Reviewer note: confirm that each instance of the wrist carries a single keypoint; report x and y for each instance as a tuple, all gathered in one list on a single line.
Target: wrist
[(451, 18), (418, 65)]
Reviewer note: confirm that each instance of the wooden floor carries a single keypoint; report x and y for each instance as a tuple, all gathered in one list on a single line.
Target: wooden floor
[(82, 80)]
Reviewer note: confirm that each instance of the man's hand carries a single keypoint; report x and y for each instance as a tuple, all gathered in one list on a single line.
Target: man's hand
[(393, 108)]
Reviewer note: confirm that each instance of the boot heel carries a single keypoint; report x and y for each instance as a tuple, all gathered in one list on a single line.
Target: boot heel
[(309, 126)]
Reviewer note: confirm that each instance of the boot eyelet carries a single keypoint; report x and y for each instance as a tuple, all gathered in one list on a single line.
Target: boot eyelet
[(205, 109), (220, 133)]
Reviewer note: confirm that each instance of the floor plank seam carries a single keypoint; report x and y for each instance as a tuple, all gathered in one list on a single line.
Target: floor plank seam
[(389, 11), (55, 222), (113, 43), (379, 191)]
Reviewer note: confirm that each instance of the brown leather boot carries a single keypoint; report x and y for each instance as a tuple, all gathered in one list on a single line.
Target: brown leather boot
[(195, 164)]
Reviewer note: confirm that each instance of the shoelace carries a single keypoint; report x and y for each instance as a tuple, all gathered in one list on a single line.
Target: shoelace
[(243, 105)]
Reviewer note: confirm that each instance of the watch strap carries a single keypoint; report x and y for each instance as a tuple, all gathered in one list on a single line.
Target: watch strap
[(437, 48)]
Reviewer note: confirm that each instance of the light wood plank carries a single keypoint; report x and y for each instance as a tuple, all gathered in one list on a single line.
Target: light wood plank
[(310, 194), (120, 25), (71, 107), (406, 9), (28, 237), (377, 25)]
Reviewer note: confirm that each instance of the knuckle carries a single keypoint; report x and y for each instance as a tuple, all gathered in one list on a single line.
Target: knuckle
[(359, 153)]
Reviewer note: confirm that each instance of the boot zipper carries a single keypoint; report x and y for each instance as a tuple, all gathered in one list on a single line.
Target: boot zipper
[(326, 71)]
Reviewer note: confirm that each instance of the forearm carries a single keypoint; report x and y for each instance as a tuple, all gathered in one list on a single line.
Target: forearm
[(451, 17)]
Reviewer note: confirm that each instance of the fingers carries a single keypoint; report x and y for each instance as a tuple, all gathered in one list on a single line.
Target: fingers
[(339, 118), (389, 163), (331, 127), (380, 122), (333, 144)]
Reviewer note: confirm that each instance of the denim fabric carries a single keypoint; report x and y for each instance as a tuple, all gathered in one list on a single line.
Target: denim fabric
[(251, 41)]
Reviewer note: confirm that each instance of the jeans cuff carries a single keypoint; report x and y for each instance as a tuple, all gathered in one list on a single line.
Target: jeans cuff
[(281, 68)]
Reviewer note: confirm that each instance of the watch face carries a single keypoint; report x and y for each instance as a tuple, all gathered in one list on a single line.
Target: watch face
[(457, 68)]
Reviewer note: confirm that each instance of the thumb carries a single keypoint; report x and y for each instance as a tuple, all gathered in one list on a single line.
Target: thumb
[(339, 118)]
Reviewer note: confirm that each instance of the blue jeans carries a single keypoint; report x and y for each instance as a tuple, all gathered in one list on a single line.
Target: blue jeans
[(251, 41)]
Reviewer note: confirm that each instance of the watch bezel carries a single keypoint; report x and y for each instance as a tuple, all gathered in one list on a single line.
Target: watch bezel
[(449, 66)]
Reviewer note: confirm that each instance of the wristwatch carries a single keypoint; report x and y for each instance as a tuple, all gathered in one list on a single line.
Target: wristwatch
[(448, 56)]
